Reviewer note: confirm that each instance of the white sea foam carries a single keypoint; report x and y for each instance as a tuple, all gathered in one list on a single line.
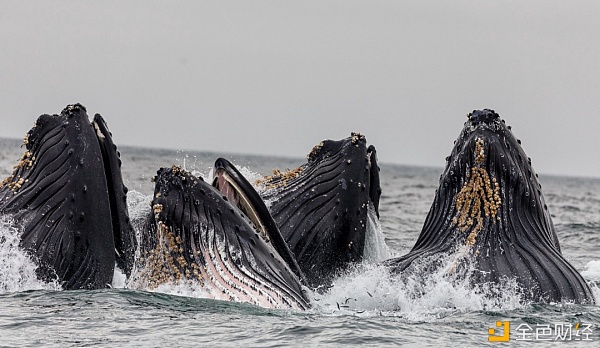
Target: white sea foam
[(17, 269), (375, 247), (188, 288), (591, 271), (249, 174), (205, 175), (138, 205), (420, 296), (191, 164), (269, 202), (596, 292), (119, 279)]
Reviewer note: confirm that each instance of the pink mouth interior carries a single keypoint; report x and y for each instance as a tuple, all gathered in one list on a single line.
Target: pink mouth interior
[(226, 189)]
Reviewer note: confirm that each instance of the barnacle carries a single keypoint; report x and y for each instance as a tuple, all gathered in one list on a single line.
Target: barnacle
[(15, 181), (166, 262), (279, 178), (157, 208), (356, 137), (479, 198), (314, 151)]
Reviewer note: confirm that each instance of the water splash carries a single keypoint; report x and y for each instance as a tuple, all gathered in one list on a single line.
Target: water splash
[(188, 288), (17, 269), (249, 174), (138, 205), (591, 271), (375, 247), (119, 279), (206, 175), (596, 292), (422, 295)]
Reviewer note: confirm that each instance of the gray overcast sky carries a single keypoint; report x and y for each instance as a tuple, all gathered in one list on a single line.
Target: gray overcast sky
[(276, 77)]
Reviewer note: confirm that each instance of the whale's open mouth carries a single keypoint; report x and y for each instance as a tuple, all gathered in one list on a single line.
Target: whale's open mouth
[(195, 233), (233, 185), (229, 183)]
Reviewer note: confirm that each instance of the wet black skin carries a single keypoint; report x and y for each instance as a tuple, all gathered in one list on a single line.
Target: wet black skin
[(223, 168), (519, 243), (124, 235), (202, 218), (321, 207), (60, 195)]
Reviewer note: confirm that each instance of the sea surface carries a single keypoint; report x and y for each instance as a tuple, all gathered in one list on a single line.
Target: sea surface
[(364, 307)]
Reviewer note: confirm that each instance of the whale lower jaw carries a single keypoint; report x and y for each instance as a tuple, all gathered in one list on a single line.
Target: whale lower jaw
[(195, 235), (217, 276)]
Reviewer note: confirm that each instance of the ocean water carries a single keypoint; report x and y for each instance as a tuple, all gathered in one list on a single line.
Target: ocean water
[(364, 307)]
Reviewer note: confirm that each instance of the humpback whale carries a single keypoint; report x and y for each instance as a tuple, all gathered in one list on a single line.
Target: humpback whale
[(321, 207), (67, 193), (229, 181), (489, 212), (195, 233)]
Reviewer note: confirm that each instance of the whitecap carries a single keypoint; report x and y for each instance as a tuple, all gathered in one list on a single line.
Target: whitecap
[(422, 295), (17, 268), (591, 271)]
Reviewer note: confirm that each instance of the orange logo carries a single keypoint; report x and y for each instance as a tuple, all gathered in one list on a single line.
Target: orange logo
[(505, 334)]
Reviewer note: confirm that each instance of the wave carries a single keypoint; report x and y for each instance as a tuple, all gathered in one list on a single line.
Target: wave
[(370, 290), (375, 247), (591, 271), (17, 268)]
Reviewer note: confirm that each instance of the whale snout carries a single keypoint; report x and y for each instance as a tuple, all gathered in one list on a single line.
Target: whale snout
[(483, 116)]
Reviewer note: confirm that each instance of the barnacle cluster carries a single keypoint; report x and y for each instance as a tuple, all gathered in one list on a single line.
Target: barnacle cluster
[(356, 137), (14, 182), (177, 170), (157, 208), (479, 198), (314, 151), (166, 262), (279, 178)]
